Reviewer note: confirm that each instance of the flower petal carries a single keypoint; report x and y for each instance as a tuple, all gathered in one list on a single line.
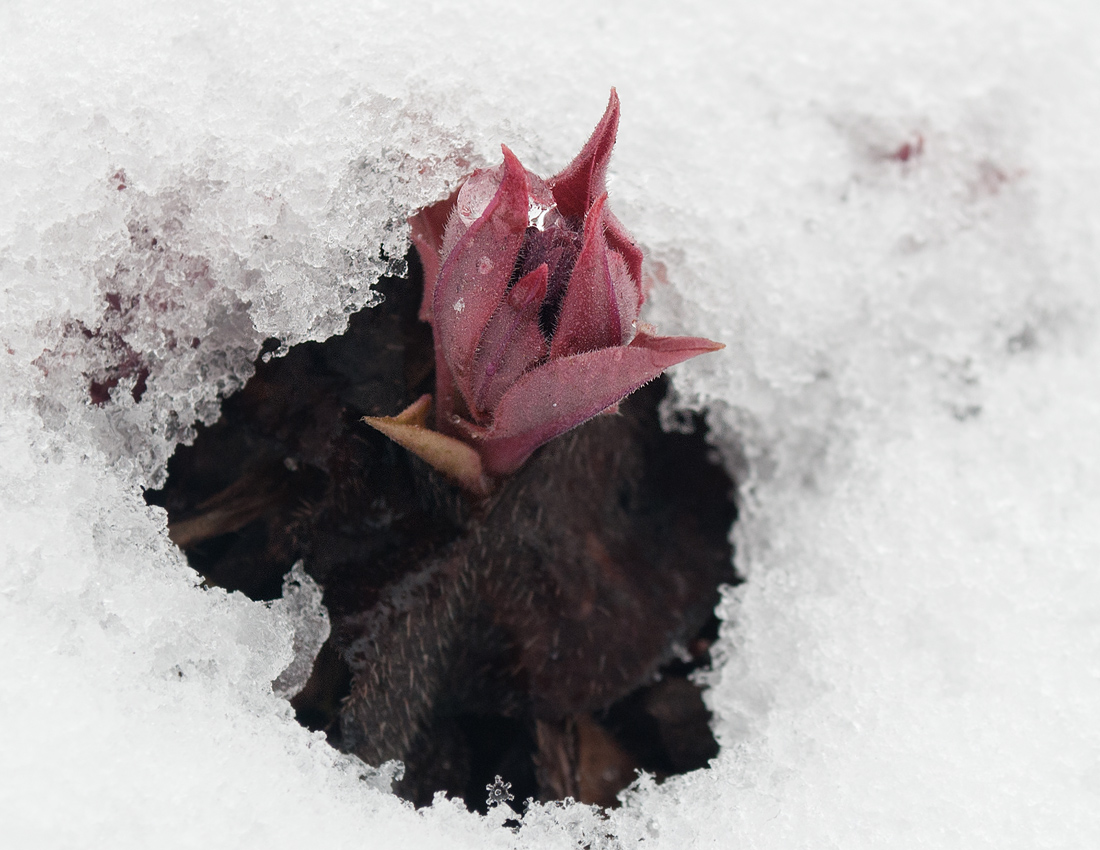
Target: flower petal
[(455, 459), (620, 241), (426, 232), (628, 295), (476, 273), (512, 342), (582, 181), (563, 393), (589, 317)]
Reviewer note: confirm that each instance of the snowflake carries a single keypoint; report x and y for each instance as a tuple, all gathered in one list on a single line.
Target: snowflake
[(499, 792)]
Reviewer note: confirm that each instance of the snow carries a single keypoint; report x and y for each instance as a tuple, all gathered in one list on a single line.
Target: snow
[(304, 616), (886, 214)]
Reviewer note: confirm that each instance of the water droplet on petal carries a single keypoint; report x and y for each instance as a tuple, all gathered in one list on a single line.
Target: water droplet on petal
[(536, 213), (484, 265), (460, 305)]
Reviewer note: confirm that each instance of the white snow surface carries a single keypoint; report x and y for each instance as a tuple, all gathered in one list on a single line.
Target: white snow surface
[(889, 214)]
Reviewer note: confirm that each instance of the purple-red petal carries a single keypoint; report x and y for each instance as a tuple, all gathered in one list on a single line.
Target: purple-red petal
[(589, 317), (582, 181), (512, 342), (619, 240), (561, 394), (426, 232), (627, 294), (476, 273)]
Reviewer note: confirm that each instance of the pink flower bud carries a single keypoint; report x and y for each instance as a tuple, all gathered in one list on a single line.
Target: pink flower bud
[(532, 288)]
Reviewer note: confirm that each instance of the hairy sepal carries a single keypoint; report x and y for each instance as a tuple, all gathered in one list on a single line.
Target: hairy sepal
[(455, 459), (561, 394)]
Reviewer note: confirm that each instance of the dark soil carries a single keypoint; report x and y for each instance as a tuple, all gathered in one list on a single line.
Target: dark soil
[(546, 636)]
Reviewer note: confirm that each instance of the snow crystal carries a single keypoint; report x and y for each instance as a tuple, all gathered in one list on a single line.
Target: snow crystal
[(301, 611), (500, 792), (883, 211)]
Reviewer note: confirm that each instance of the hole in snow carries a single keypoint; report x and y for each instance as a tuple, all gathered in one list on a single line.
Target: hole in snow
[(548, 639)]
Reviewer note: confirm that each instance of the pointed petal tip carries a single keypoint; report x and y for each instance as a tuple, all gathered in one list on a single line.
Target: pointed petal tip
[(676, 345), (579, 182), (453, 458), (531, 287), (595, 223), (514, 190), (613, 103), (511, 161), (415, 414)]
